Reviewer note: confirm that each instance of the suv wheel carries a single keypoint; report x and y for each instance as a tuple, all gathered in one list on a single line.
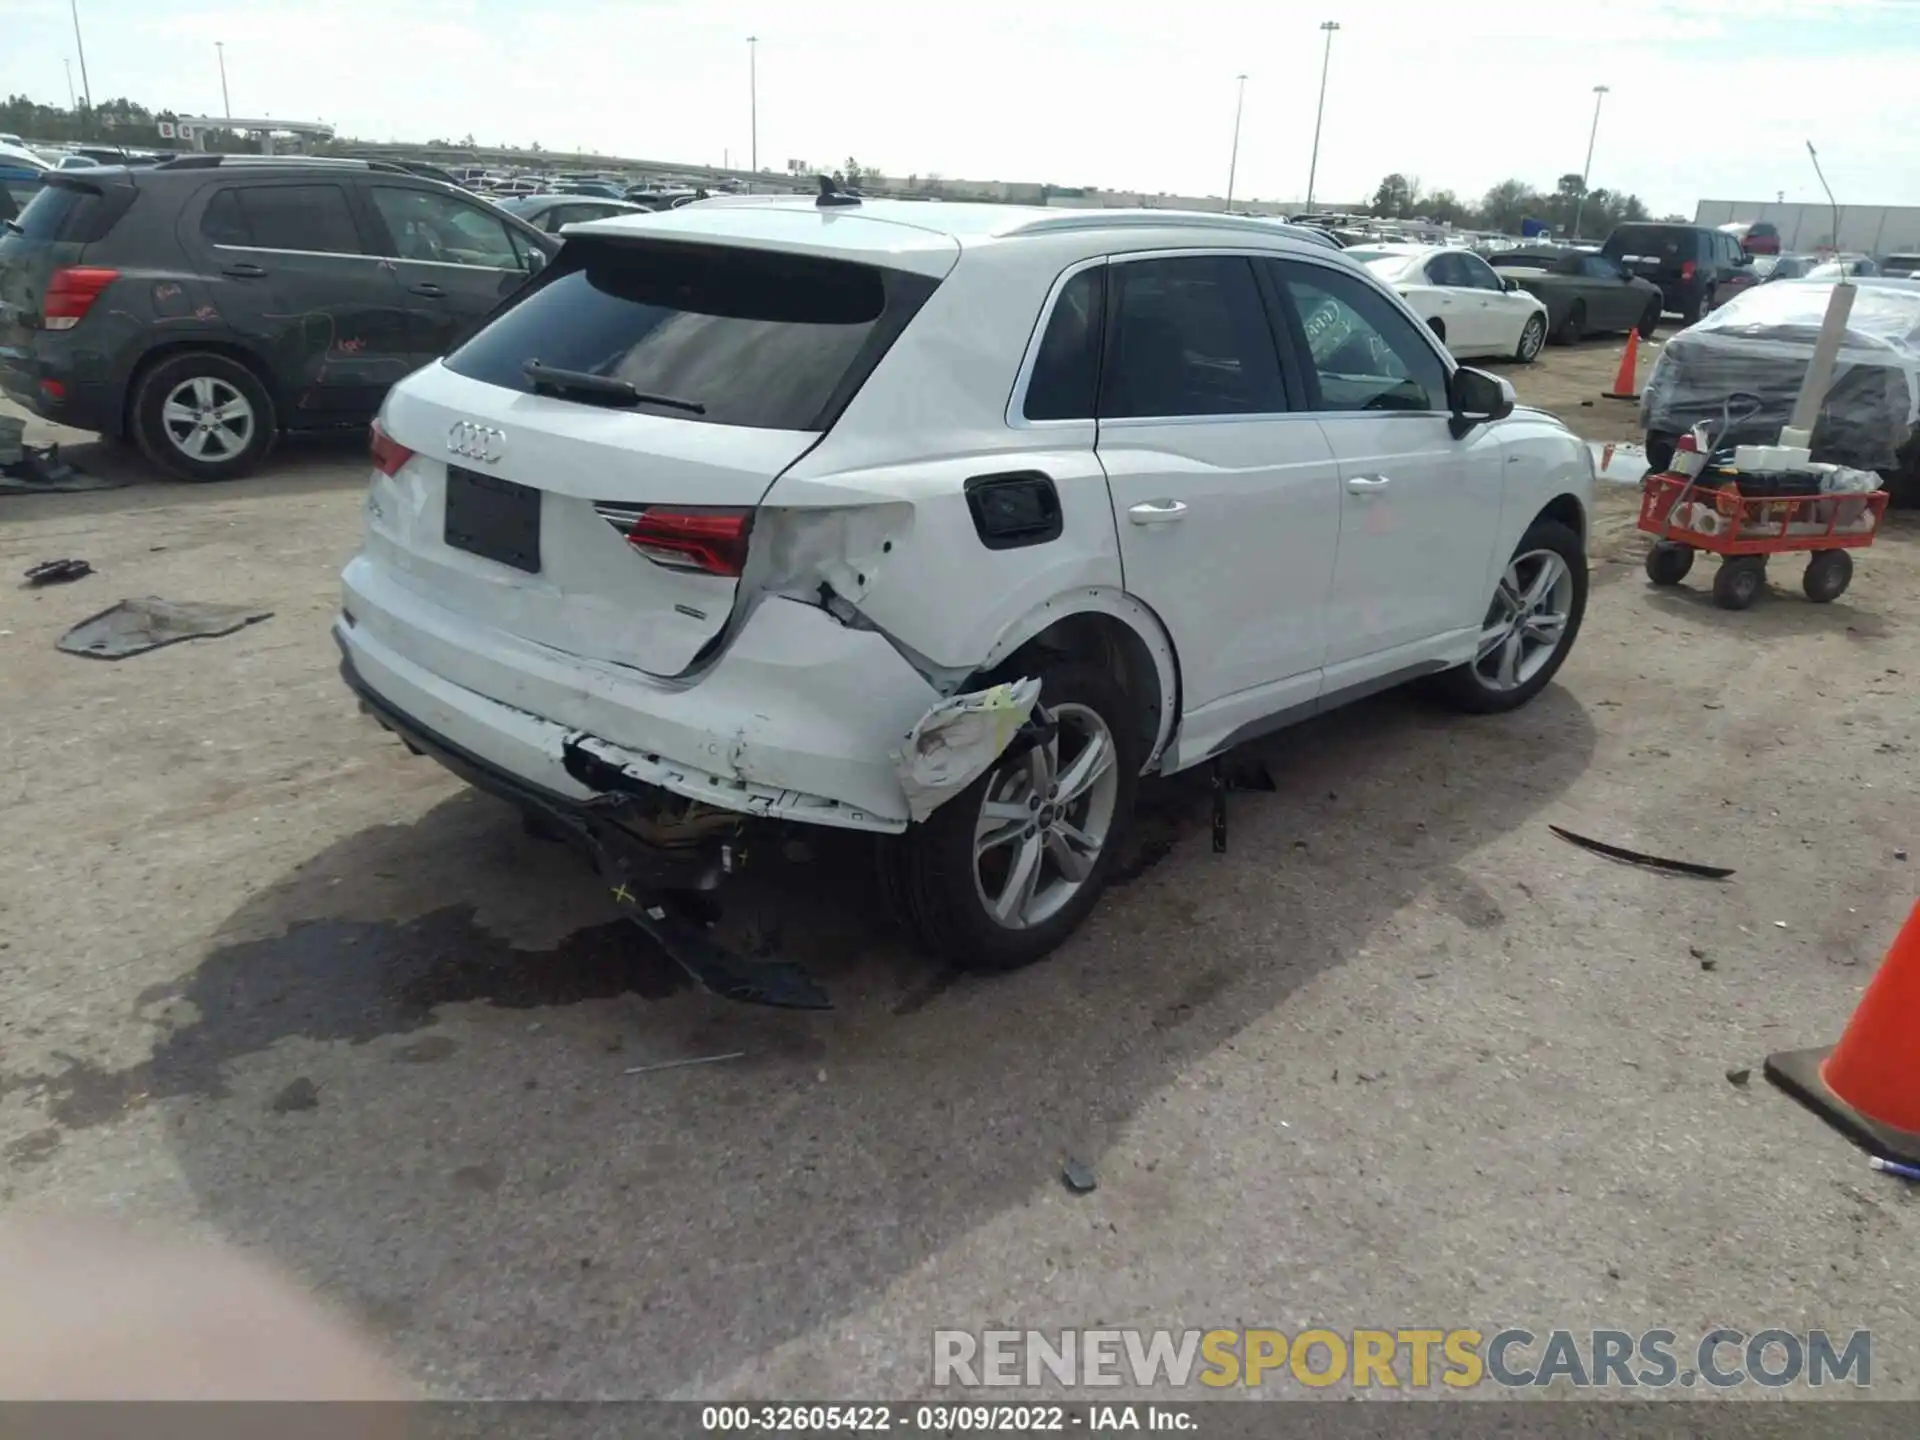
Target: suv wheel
[(1530, 626), (1002, 873), (203, 416), (1698, 306)]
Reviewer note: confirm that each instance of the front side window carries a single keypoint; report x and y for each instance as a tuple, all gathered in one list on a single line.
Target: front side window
[(1363, 353), (1189, 336), (1478, 274), (314, 218), (1066, 371), (426, 225)]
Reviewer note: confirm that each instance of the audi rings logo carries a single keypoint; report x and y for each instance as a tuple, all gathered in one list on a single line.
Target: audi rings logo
[(475, 441)]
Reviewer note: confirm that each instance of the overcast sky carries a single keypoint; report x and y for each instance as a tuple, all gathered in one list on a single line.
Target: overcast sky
[(1709, 97)]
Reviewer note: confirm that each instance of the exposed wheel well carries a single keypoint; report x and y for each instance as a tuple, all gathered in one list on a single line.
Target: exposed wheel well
[(1566, 510), (1116, 648), (239, 354)]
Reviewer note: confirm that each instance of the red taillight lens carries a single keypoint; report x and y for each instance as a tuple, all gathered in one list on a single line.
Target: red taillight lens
[(707, 539), (1686, 270), (388, 453), (71, 293)]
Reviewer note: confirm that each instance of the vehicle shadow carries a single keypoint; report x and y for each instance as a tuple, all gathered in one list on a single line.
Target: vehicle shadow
[(477, 1176)]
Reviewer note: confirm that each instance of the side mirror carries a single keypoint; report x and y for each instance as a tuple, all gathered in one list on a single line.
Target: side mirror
[(1510, 284), (1477, 398)]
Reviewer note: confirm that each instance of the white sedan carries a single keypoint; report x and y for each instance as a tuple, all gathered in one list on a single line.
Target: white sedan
[(1468, 305)]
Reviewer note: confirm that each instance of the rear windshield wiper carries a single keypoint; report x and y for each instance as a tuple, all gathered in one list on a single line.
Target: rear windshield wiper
[(604, 388)]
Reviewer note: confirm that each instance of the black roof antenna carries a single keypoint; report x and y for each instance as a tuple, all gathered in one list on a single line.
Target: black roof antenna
[(829, 196)]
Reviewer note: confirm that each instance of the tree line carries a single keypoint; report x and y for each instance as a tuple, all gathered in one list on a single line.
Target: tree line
[(1510, 204)]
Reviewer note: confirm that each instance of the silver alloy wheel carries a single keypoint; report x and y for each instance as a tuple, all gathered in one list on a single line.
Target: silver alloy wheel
[(1044, 819), (1526, 622), (207, 419), (1532, 336)]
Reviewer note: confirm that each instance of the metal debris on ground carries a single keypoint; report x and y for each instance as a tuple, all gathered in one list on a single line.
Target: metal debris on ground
[(1740, 1075), (135, 626), (1636, 857), (26, 469), (58, 572), (301, 1094), (682, 1064), (1079, 1178)]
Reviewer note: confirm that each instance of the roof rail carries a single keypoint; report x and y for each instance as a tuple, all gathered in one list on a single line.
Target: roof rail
[(209, 162)]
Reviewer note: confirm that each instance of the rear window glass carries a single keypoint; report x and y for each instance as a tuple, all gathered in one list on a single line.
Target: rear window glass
[(771, 341), (1655, 242), (60, 212)]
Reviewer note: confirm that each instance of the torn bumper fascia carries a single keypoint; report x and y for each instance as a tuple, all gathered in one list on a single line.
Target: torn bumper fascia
[(799, 720), (957, 741)]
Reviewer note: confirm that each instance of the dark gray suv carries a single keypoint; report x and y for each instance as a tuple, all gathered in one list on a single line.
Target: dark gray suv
[(205, 305)]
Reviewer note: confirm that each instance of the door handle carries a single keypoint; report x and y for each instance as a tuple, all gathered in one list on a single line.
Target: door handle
[(427, 288), (1367, 484), (244, 271), (1157, 512)]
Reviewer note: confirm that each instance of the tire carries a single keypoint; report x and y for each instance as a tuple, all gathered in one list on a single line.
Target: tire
[(1650, 322), (1668, 562), (1829, 572), (1699, 305), (1490, 684), (1532, 336), (203, 384), (1659, 450), (944, 891), (1573, 325), (1738, 582)]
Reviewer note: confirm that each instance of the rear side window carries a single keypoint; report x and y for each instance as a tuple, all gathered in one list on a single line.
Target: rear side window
[(756, 338), (1066, 371), (282, 217), (1189, 337)]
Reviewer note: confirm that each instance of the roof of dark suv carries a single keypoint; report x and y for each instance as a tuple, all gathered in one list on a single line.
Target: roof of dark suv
[(1671, 242)]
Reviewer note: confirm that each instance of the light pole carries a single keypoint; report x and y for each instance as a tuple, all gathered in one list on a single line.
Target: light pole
[(1233, 164), (1313, 170), (1580, 203), (753, 103), (86, 86), (72, 104), (220, 49)]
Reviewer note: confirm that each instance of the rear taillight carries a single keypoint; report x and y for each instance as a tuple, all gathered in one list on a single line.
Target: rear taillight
[(1686, 270), (71, 293), (388, 453), (707, 538)]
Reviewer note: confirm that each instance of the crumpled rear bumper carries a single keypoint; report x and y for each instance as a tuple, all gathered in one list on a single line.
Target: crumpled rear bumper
[(799, 720)]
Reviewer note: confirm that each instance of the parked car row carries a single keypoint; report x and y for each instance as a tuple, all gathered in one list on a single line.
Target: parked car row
[(242, 298)]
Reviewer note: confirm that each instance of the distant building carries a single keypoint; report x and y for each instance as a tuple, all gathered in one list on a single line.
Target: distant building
[(1868, 229)]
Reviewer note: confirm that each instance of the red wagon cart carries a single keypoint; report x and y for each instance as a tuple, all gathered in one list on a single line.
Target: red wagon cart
[(1712, 513)]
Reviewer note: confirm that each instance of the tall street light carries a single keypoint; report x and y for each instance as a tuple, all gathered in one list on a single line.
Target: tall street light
[(72, 104), (1233, 164), (753, 102), (86, 87), (1326, 59), (220, 49), (1580, 204)]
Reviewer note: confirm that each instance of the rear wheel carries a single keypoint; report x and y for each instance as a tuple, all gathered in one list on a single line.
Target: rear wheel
[(1003, 872), (1699, 305), (1530, 626), (203, 416), (1532, 336), (1829, 572), (1739, 581), (1659, 450)]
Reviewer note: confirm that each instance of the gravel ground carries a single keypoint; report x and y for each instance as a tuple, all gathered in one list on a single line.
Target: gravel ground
[(1399, 1057)]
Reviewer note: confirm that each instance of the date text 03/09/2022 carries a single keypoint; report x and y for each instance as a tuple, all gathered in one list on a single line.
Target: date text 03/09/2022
[(939, 1419)]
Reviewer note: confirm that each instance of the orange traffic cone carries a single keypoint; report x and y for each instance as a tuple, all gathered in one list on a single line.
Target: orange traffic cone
[(1868, 1086), (1624, 377)]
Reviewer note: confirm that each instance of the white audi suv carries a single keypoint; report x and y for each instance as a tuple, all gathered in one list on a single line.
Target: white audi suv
[(940, 522)]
